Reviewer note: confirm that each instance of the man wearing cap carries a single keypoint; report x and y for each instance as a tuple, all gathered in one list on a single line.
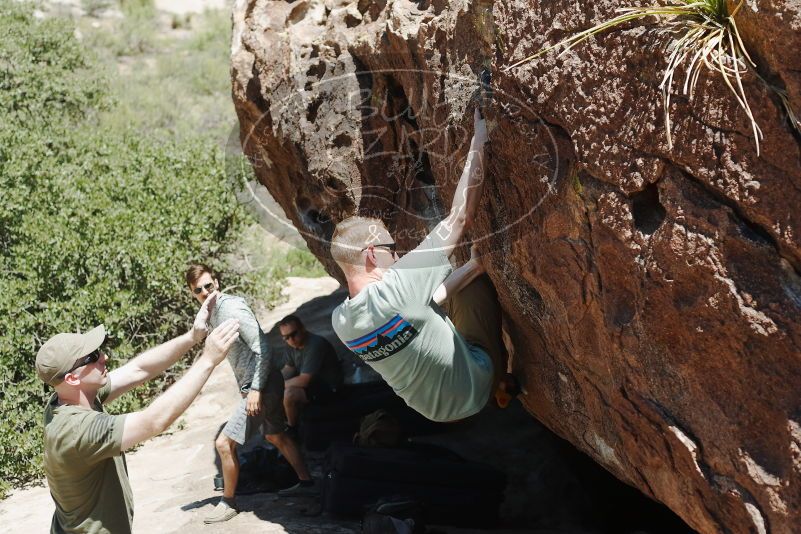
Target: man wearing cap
[(83, 445)]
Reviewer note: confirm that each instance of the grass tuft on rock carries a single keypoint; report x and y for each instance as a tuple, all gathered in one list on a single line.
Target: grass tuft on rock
[(704, 34)]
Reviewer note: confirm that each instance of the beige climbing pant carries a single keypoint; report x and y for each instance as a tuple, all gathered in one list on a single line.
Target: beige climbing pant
[(476, 314)]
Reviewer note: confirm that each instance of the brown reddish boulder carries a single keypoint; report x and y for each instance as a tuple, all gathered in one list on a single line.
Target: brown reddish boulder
[(651, 295)]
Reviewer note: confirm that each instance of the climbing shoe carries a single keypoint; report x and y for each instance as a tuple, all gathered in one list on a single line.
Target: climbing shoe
[(508, 388)]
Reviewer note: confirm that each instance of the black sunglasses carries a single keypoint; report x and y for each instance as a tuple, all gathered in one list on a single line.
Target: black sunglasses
[(393, 247), (208, 287), (289, 335), (92, 357)]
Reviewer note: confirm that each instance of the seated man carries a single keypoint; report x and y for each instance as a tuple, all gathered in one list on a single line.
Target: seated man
[(311, 371), (445, 370), (83, 445), (262, 389)]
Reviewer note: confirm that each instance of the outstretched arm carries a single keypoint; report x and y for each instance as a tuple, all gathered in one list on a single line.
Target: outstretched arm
[(468, 191), (161, 413), (155, 361)]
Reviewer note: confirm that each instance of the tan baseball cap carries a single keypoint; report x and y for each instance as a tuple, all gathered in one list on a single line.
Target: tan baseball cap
[(59, 353)]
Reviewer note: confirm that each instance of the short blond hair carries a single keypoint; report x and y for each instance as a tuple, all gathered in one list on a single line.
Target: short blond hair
[(351, 236)]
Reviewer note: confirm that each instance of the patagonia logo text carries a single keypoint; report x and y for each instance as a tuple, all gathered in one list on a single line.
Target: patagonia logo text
[(384, 341)]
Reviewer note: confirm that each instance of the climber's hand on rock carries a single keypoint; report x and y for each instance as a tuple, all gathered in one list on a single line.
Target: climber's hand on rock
[(479, 129)]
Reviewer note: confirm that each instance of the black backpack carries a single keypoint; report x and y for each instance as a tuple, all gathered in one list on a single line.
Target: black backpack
[(379, 429), (263, 470)]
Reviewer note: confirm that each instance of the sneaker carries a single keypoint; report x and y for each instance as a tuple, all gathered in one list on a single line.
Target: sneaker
[(222, 512), (302, 488)]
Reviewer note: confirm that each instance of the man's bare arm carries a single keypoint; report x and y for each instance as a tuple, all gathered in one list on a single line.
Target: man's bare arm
[(155, 361), (161, 413), (467, 196), (147, 365), (288, 371), (300, 381), (457, 280)]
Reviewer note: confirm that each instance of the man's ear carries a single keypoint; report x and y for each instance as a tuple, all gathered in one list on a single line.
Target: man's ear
[(216, 284), (72, 379), (372, 261)]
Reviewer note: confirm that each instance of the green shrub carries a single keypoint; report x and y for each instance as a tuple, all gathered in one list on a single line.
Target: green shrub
[(94, 8), (96, 225), (268, 264), (133, 34), (44, 72), (180, 88)]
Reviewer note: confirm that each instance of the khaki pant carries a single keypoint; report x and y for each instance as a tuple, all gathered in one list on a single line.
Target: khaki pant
[(476, 314)]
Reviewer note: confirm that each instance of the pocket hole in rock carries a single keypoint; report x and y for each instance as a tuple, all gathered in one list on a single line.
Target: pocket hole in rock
[(342, 140), (311, 110), (648, 212)]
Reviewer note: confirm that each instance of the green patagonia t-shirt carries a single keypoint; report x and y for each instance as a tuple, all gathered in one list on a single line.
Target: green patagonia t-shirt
[(86, 468), (395, 327)]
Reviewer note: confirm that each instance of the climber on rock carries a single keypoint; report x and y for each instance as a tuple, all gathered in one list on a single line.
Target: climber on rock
[(444, 366)]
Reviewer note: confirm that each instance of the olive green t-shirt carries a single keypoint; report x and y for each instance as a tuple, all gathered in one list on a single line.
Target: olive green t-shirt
[(86, 468), (395, 327), (317, 358)]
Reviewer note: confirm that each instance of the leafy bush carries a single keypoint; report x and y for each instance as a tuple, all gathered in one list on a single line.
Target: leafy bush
[(175, 86), (96, 225), (268, 264), (93, 8)]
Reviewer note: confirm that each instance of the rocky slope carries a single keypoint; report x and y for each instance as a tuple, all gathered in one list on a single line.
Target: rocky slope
[(651, 294)]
